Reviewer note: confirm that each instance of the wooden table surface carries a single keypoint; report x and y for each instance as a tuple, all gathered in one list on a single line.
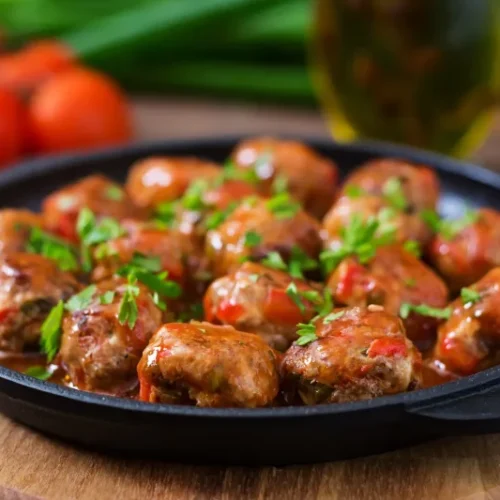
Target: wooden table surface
[(32, 465)]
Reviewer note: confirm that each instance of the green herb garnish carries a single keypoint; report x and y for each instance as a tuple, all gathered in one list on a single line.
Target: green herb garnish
[(469, 296), (300, 262), (39, 372), (413, 247), (394, 193), (166, 213), (448, 229), (148, 263), (53, 248), (280, 184), (128, 310), (274, 261), (114, 193), (424, 310), (193, 197), (50, 339), (107, 297), (252, 239), (332, 317), (353, 191), (294, 295), (215, 219), (81, 300), (306, 333), (283, 206)]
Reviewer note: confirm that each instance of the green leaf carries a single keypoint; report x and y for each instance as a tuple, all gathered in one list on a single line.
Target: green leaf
[(294, 295), (128, 311), (394, 193), (300, 262), (193, 197), (39, 372), (114, 193), (164, 288), (469, 296), (413, 247), (449, 229), (274, 261), (148, 263), (252, 239), (107, 297), (280, 184), (283, 206), (353, 191), (81, 300), (51, 331), (166, 213), (332, 317), (424, 310), (306, 333)]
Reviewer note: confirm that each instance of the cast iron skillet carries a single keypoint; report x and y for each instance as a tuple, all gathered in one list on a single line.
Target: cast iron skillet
[(262, 436)]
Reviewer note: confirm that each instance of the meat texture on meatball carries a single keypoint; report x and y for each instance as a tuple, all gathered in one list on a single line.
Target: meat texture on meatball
[(392, 277), (358, 353), (311, 178), (258, 227), (30, 285), (99, 351), (15, 228), (254, 299), (465, 257), (469, 341), (104, 197), (159, 179), (207, 365)]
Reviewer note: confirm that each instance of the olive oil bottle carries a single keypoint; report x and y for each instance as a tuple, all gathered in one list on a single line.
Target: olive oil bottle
[(419, 72)]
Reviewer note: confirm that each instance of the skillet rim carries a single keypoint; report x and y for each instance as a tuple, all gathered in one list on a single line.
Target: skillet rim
[(422, 398)]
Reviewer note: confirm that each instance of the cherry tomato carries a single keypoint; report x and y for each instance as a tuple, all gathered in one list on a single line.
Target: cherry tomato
[(77, 110), (23, 71), (11, 127)]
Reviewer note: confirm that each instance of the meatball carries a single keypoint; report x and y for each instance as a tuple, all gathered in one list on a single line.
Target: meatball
[(419, 185), (357, 354), (392, 277), (98, 351), (469, 341), (207, 365), (403, 226), (15, 228), (258, 227), (159, 179), (254, 299), (30, 285), (469, 255), (98, 193), (310, 178)]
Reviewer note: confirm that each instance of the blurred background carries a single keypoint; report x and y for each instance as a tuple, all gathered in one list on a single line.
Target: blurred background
[(80, 74)]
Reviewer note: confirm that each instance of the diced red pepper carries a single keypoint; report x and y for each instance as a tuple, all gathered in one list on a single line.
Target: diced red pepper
[(279, 308), (5, 313), (352, 273), (387, 346), (66, 226), (229, 312)]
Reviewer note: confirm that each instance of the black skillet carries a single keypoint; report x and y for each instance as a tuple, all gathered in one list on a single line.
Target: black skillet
[(263, 436)]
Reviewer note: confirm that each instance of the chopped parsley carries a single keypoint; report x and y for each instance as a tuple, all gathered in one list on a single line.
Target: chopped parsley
[(294, 295), (361, 239), (283, 206), (448, 229), (149, 263), (114, 193), (39, 372), (306, 333), (81, 300), (300, 262), (424, 310), (274, 261), (50, 339), (394, 194), (166, 213), (128, 311), (332, 317), (353, 191), (231, 172), (469, 296), (107, 297), (193, 197), (216, 218), (280, 184), (413, 247), (252, 239), (53, 248)]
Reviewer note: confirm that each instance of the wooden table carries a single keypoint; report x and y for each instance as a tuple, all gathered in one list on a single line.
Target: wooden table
[(33, 465)]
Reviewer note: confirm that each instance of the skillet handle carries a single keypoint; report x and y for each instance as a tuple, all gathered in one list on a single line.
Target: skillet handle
[(472, 412)]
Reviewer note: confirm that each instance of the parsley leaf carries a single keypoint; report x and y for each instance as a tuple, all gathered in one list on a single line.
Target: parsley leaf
[(469, 296), (413, 247), (274, 261), (128, 311), (149, 263), (353, 191), (424, 310), (166, 213), (448, 229), (293, 293), (299, 262), (39, 372), (216, 218), (283, 206), (51, 331), (107, 297), (332, 317), (114, 193), (53, 248), (394, 193), (280, 184), (193, 197), (252, 239), (81, 300), (306, 333)]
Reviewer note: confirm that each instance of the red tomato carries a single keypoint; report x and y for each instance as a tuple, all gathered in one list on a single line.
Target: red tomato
[(11, 127), (77, 110), (23, 71), (386, 346), (280, 308)]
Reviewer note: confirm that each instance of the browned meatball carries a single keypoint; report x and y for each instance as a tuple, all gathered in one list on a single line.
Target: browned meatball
[(362, 354), (394, 276), (207, 365), (470, 340), (467, 256), (98, 193), (30, 285), (159, 179), (15, 229), (403, 226), (272, 226), (98, 351), (254, 299), (311, 178), (419, 184)]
